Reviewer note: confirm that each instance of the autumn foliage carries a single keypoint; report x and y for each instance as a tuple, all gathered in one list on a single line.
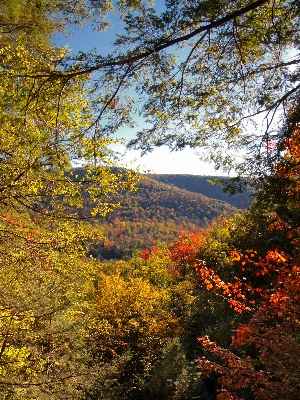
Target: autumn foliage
[(262, 361), (251, 263), (264, 354), (183, 252)]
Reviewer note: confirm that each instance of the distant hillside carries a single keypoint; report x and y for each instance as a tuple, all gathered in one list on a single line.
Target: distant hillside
[(201, 184), (165, 202), (155, 213)]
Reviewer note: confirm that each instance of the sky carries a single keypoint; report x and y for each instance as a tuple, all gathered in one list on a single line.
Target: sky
[(161, 160)]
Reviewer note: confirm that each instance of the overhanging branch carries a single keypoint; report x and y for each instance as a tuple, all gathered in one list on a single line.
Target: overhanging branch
[(127, 60)]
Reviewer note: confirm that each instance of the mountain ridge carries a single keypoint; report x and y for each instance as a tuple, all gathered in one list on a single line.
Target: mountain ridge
[(201, 184), (155, 213)]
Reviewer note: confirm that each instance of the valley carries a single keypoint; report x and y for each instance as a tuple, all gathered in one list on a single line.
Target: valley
[(161, 209)]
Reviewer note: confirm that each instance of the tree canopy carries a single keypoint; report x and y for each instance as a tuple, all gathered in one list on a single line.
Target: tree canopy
[(44, 135), (205, 74), (201, 73)]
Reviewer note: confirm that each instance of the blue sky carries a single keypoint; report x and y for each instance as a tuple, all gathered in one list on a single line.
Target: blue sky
[(161, 160)]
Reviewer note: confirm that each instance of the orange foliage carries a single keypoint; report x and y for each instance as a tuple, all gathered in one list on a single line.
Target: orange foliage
[(263, 361), (272, 370), (146, 253), (184, 251)]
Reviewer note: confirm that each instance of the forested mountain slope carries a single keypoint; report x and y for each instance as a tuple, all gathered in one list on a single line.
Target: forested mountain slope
[(156, 200), (201, 184), (156, 212)]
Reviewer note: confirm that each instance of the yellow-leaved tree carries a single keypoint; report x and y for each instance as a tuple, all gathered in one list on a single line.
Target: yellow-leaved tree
[(46, 131)]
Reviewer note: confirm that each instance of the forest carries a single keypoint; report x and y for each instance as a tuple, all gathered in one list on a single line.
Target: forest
[(208, 186), (210, 311), (155, 213)]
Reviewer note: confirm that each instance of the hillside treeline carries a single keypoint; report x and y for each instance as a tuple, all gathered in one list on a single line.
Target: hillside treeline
[(152, 214), (206, 185)]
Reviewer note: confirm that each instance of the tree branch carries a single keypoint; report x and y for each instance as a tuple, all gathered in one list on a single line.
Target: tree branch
[(119, 61)]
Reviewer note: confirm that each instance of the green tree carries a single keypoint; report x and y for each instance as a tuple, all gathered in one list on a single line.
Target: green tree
[(44, 133), (201, 69)]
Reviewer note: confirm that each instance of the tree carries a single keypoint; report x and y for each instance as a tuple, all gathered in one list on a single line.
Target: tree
[(44, 307), (202, 70), (184, 251), (251, 262), (45, 284), (131, 325), (262, 362), (60, 111), (44, 132), (263, 359)]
